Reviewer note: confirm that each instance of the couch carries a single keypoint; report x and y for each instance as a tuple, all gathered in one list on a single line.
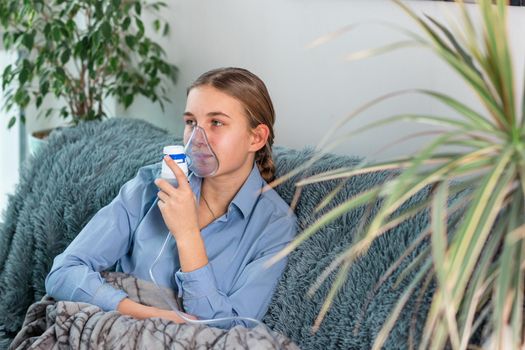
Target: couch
[(82, 168)]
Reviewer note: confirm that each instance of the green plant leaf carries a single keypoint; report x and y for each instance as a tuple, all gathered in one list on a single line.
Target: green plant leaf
[(28, 40), (7, 40), (56, 33), (467, 244), (464, 54), (38, 101), (64, 57), (106, 30), (441, 261), (12, 122), (44, 87), (138, 8), (506, 289), (7, 76), (156, 25), (23, 76), (47, 30), (140, 27), (128, 100), (482, 278), (126, 23), (130, 41), (463, 110), (482, 215)]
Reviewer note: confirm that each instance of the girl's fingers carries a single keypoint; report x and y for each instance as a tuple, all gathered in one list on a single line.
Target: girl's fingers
[(165, 186), (163, 196)]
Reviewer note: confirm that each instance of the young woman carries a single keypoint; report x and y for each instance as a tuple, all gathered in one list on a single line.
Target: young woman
[(224, 226)]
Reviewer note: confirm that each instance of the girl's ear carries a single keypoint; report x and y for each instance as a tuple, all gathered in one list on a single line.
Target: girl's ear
[(259, 137)]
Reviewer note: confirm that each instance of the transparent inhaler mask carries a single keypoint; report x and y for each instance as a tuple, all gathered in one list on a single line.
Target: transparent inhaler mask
[(202, 161)]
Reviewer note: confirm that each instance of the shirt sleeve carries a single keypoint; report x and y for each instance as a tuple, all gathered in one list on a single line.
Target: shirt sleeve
[(75, 274), (250, 295)]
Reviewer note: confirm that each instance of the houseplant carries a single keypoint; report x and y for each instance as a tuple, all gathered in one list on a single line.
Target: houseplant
[(477, 262), (80, 52)]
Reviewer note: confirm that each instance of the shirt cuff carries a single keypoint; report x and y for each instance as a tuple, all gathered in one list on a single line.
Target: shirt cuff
[(107, 298), (197, 283)]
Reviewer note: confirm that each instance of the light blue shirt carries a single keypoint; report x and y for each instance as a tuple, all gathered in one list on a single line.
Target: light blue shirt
[(130, 231)]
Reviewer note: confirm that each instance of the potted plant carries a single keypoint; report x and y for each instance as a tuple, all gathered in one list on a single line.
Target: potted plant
[(80, 52), (478, 265)]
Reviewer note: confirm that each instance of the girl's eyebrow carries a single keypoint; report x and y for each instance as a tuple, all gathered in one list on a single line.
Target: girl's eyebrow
[(210, 114)]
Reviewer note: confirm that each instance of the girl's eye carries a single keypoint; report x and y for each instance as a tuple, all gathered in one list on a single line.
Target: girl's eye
[(190, 122), (216, 123)]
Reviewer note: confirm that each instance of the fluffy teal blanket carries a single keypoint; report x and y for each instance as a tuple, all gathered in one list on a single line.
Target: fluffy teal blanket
[(82, 169)]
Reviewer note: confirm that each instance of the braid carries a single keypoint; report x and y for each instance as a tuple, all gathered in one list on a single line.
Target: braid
[(265, 163)]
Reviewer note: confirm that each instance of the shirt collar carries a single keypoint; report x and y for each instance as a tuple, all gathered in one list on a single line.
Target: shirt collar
[(247, 196)]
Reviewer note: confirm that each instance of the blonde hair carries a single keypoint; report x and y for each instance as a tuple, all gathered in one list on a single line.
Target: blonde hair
[(247, 88)]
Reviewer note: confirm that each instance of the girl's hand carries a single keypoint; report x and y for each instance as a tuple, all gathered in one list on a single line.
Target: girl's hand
[(178, 205), (173, 316), (140, 312)]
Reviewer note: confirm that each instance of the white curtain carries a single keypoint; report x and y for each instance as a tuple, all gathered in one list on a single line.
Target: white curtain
[(9, 142)]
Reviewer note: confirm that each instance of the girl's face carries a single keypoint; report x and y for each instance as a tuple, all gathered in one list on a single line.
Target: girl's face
[(226, 126)]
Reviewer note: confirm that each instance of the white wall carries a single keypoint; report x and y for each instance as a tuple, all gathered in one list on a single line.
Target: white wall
[(313, 88), (9, 158)]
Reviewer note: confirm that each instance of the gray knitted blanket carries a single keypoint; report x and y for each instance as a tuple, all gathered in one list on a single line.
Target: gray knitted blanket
[(69, 325)]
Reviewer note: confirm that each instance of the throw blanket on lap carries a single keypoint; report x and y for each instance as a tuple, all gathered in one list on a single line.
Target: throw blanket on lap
[(49, 324)]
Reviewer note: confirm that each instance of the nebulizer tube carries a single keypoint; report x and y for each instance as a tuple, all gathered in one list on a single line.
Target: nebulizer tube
[(199, 158)]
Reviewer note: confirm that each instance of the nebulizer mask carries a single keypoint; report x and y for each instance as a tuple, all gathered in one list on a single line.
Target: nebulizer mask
[(198, 157), (202, 161)]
